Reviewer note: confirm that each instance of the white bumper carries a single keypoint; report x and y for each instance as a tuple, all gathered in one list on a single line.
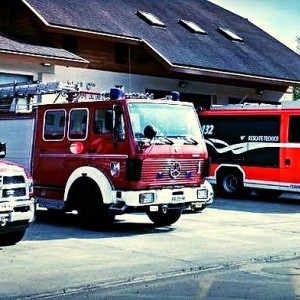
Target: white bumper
[(14, 211), (203, 194)]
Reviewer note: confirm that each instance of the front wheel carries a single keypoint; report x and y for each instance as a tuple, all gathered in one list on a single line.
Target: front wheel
[(11, 238), (230, 184), (165, 218)]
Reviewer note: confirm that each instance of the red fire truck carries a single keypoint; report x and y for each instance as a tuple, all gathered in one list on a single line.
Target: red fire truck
[(254, 146), (104, 156)]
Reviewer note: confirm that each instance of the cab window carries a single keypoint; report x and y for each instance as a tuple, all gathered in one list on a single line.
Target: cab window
[(78, 124), (294, 129), (54, 125), (102, 121)]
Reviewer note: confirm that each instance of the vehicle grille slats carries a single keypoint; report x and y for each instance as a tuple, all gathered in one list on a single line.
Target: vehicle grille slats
[(12, 187), (159, 170), (13, 179)]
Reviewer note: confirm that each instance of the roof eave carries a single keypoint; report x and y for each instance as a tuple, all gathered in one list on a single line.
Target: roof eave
[(79, 31), (47, 59), (234, 76), (221, 74)]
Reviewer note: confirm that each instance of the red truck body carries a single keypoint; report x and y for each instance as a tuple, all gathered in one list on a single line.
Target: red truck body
[(254, 146), (97, 157)]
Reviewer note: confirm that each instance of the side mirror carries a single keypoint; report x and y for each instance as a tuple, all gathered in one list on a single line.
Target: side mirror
[(2, 149), (150, 131)]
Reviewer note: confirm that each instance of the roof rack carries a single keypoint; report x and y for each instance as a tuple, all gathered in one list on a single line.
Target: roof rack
[(246, 106)]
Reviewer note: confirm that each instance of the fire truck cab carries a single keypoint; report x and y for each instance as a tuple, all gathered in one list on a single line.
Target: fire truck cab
[(114, 156), (253, 146)]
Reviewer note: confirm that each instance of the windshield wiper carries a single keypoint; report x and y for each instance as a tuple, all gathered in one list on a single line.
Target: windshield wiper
[(187, 138), (164, 138)]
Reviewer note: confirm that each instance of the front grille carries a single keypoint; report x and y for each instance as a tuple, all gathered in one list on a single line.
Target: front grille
[(159, 170), (12, 187), (13, 179), (14, 192)]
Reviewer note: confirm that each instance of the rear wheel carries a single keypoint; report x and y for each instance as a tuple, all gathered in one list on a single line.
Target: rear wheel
[(92, 211), (12, 238), (165, 218), (230, 184)]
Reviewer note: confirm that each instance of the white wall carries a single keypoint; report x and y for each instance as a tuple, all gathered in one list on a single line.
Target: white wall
[(104, 80)]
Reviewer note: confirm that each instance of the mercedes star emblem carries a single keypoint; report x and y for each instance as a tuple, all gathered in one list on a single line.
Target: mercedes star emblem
[(175, 169)]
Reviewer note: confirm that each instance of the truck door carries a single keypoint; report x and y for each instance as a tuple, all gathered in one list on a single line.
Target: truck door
[(290, 162), (62, 144)]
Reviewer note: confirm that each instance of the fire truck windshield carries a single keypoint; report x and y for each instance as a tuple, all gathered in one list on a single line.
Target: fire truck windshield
[(172, 122)]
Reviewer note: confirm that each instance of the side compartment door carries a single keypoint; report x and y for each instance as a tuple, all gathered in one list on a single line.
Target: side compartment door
[(290, 159)]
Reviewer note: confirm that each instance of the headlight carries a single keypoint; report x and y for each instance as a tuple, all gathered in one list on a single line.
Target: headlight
[(202, 194), (147, 198)]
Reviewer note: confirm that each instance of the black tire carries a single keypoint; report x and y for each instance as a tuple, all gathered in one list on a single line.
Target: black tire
[(93, 214), (11, 238), (230, 184), (167, 218)]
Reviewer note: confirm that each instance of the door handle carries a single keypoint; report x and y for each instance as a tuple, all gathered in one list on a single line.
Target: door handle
[(287, 162)]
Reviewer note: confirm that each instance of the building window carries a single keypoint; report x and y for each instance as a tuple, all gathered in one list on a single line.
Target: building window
[(193, 27), (230, 34), (200, 101), (150, 19), (122, 53), (70, 43)]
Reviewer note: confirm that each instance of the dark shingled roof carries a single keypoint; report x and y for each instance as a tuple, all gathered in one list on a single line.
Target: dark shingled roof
[(10, 46), (259, 54)]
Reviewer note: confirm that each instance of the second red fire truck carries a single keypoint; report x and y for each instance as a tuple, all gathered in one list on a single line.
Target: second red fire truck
[(109, 156), (253, 146)]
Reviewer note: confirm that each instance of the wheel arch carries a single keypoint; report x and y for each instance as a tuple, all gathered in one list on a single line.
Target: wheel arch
[(94, 175), (220, 170)]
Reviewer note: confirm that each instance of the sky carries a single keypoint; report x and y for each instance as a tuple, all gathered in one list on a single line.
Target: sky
[(279, 18)]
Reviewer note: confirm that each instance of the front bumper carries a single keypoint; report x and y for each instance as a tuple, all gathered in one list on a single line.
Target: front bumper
[(18, 212), (203, 194)]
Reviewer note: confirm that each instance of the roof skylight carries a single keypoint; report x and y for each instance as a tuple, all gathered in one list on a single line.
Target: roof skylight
[(230, 34), (192, 26), (150, 19)]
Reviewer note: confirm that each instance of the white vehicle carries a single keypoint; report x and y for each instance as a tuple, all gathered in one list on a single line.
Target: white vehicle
[(16, 201)]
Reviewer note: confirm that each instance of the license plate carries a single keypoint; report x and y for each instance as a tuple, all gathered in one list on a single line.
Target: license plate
[(178, 198), (6, 206)]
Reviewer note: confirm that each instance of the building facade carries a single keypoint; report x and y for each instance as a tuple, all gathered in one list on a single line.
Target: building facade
[(203, 51)]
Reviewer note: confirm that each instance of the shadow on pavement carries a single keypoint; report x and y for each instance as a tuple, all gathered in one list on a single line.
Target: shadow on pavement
[(51, 226)]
